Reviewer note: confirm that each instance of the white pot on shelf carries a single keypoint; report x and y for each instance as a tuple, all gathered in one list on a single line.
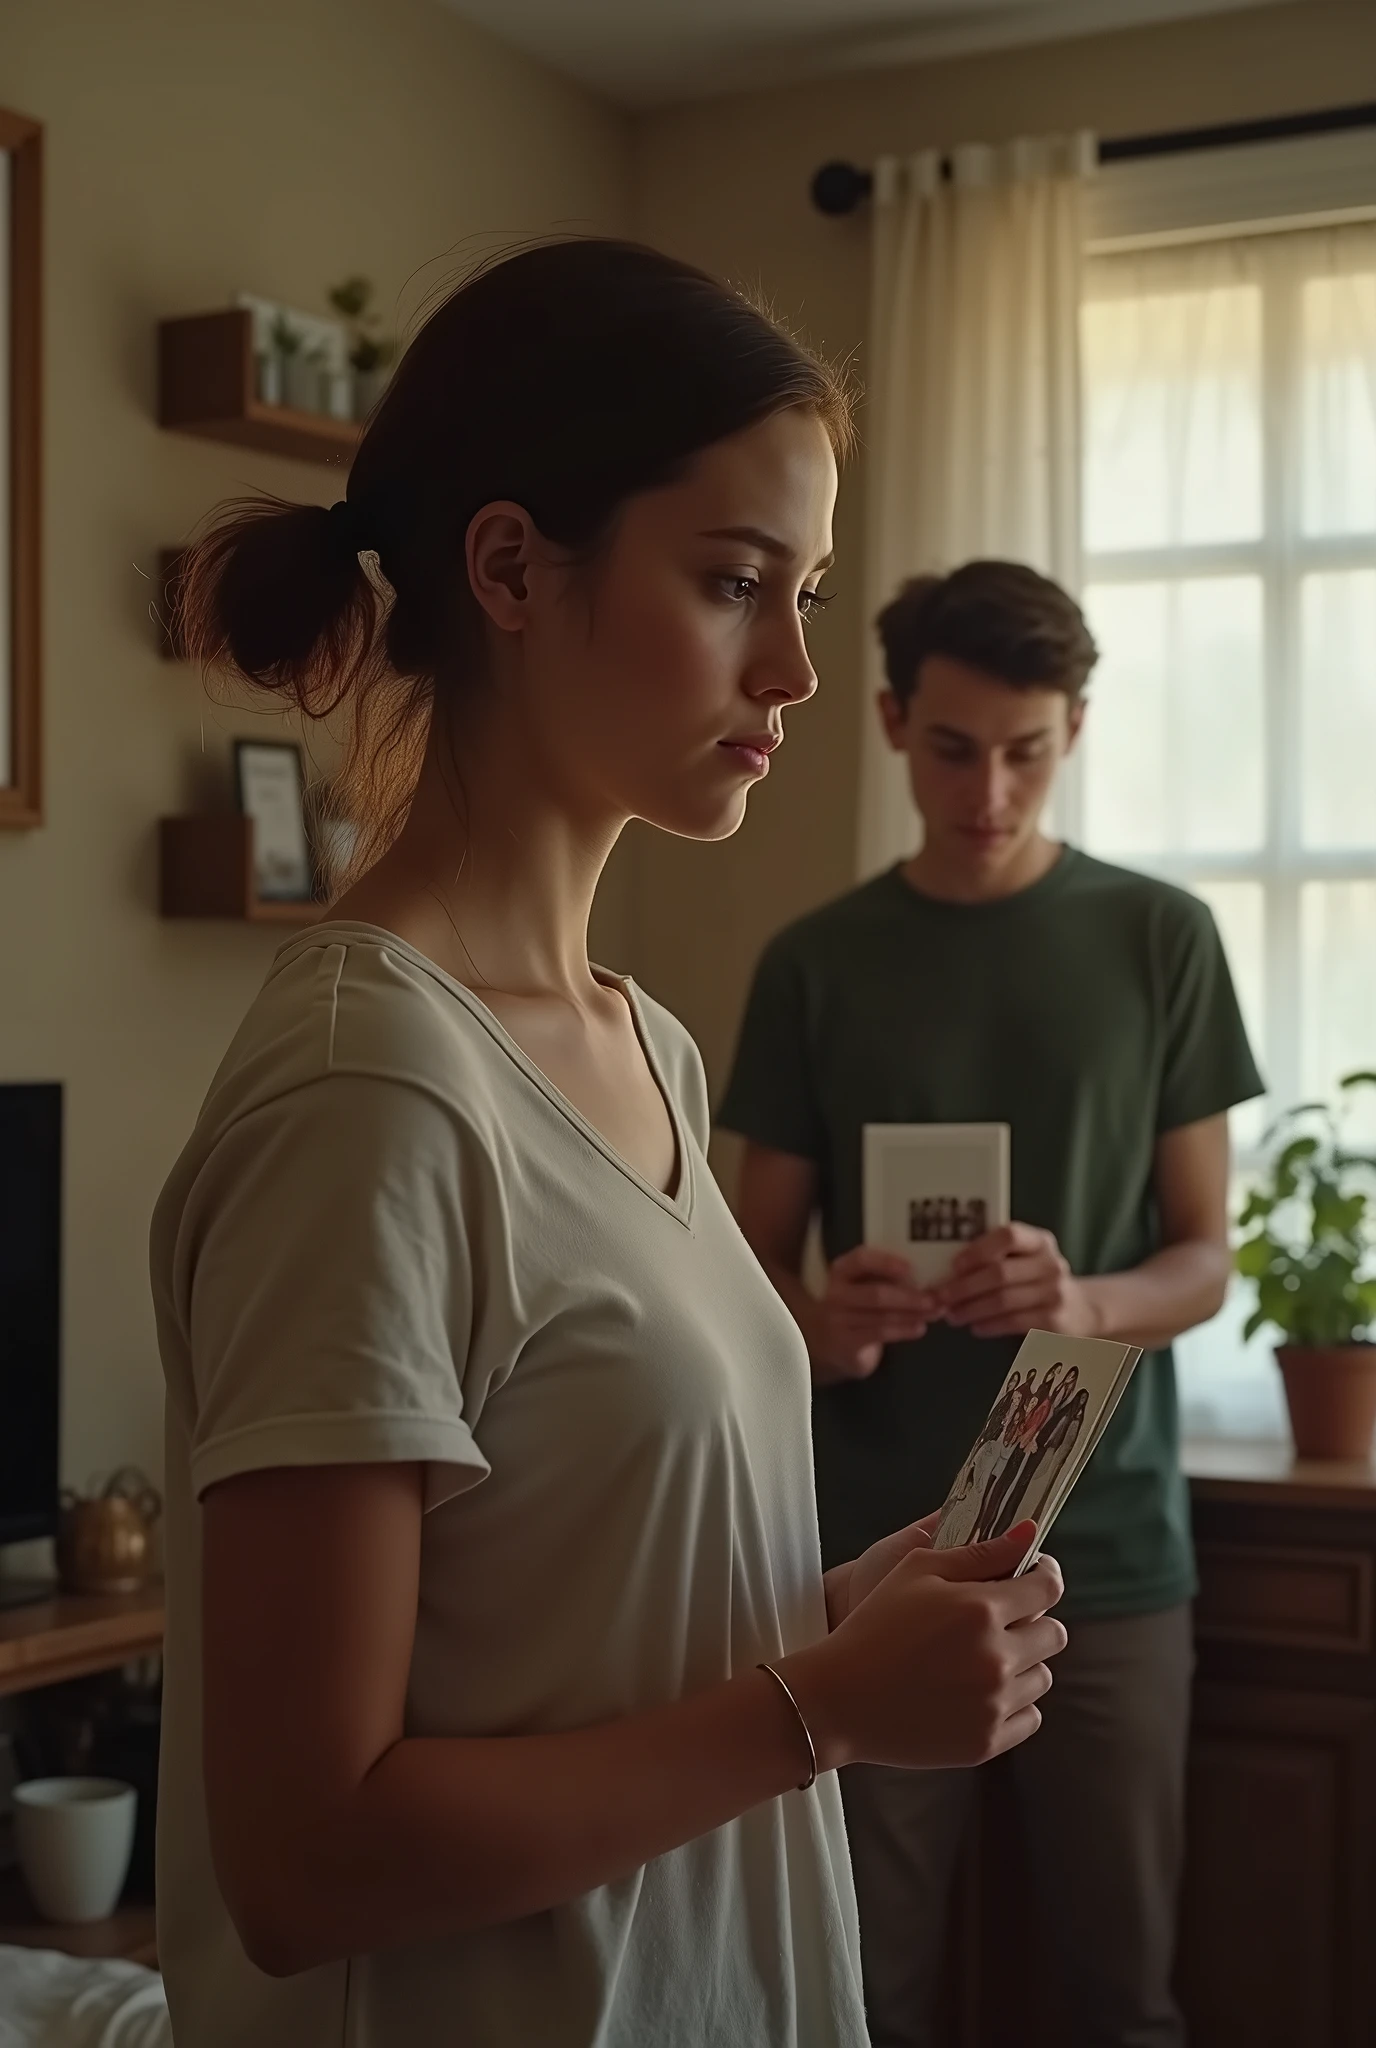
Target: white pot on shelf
[(268, 378), (339, 394), (302, 384)]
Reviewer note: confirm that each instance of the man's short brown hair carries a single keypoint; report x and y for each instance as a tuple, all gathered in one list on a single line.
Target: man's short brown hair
[(1001, 617)]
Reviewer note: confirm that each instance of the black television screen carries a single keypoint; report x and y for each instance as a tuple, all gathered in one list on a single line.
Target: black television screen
[(30, 1306)]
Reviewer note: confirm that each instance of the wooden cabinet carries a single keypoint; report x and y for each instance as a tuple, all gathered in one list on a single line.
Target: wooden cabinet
[(1278, 1906), (1279, 1900), (1280, 1889)]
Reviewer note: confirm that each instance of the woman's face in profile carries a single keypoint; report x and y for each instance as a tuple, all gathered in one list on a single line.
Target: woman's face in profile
[(663, 684)]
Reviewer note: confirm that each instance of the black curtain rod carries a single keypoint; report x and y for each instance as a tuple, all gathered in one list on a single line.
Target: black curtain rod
[(839, 188)]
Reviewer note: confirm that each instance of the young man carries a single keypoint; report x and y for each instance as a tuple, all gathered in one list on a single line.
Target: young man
[(1001, 976)]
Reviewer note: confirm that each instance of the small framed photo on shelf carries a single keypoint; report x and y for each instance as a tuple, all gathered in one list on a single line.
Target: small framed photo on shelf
[(270, 783)]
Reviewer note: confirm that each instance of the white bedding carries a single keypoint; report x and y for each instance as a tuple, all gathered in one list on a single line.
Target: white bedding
[(55, 2001)]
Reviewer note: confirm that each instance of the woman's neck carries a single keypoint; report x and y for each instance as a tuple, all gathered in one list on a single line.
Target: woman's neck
[(491, 875)]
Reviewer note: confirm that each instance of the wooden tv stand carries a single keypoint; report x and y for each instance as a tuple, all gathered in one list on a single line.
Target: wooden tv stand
[(73, 1635)]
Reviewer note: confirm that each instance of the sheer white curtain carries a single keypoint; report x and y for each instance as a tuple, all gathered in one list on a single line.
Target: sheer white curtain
[(973, 429), (1230, 578)]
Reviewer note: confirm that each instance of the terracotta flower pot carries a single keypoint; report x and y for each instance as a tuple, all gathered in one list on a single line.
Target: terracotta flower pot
[(1331, 1394)]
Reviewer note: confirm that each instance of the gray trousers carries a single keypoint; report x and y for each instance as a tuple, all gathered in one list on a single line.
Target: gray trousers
[(1101, 1791)]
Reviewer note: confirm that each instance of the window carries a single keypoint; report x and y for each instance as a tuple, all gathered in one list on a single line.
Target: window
[(1230, 578)]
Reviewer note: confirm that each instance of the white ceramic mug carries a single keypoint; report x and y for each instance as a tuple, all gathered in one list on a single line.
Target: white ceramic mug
[(74, 1837)]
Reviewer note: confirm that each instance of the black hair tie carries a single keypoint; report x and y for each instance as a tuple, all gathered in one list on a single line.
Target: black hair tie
[(346, 526)]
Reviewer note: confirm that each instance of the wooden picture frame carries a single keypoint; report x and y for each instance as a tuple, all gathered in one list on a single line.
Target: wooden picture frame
[(21, 505)]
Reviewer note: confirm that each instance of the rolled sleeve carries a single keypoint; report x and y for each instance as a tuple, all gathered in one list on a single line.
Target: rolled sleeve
[(1208, 1065), (326, 1287)]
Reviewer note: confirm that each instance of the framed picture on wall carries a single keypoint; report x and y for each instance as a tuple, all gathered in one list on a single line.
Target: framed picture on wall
[(270, 782), (21, 412)]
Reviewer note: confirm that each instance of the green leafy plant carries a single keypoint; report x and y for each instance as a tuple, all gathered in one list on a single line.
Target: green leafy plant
[(285, 338), (366, 353), (1310, 1219), (352, 298), (368, 350)]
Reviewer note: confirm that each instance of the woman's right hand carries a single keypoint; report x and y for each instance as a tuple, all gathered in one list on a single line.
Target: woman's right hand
[(942, 1664)]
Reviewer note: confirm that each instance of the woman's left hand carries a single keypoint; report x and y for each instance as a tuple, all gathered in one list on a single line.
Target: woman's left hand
[(848, 1584)]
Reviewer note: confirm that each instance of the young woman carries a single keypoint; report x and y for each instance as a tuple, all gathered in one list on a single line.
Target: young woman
[(498, 1644)]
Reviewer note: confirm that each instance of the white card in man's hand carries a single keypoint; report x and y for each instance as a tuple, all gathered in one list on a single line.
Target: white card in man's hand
[(930, 1188)]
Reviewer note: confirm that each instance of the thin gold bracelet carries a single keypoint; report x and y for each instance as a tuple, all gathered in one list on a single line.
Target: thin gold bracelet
[(811, 1778)]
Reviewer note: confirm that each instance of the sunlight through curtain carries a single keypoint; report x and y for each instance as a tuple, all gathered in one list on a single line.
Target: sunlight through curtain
[(973, 425), (1230, 579)]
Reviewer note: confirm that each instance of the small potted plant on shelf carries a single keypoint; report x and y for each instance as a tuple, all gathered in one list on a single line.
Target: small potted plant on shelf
[(287, 343), (1310, 1247), (314, 385), (268, 365), (370, 354)]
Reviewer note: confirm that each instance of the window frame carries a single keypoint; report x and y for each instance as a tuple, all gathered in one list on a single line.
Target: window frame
[(1281, 557)]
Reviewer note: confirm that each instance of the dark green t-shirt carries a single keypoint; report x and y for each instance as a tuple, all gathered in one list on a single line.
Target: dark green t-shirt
[(1090, 1012)]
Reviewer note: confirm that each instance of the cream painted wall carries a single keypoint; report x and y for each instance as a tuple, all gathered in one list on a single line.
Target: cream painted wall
[(274, 145), (194, 150), (726, 185)]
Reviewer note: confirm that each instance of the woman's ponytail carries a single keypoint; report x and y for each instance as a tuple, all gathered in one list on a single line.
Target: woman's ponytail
[(275, 593)]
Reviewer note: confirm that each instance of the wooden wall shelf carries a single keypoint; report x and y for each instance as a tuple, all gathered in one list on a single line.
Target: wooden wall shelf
[(205, 869), (74, 1634), (206, 387)]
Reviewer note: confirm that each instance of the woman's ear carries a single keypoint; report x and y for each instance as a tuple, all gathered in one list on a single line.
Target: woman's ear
[(498, 548)]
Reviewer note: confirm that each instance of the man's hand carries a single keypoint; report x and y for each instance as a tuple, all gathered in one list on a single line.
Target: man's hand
[(870, 1301), (1013, 1280)]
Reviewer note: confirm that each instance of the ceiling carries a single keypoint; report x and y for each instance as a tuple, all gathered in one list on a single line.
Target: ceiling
[(647, 53)]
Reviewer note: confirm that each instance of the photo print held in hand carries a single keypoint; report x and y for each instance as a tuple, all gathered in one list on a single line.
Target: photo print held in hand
[(1046, 1419)]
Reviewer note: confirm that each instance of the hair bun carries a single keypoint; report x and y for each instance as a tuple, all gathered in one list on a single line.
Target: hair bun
[(347, 526), (273, 588)]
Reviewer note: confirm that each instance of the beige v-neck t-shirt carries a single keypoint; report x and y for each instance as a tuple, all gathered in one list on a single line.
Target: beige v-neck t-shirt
[(390, 1237)]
